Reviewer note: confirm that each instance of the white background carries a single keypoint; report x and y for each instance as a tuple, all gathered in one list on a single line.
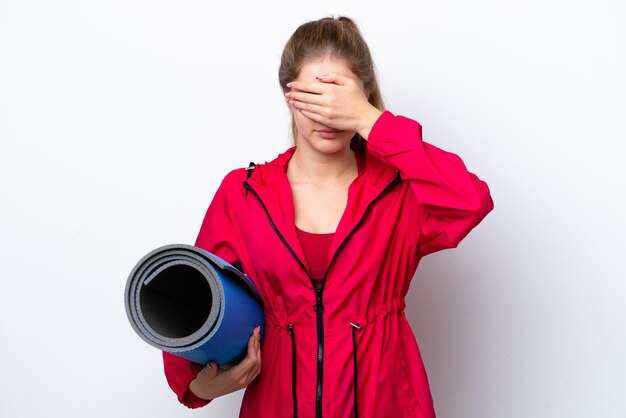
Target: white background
[(119, 118)]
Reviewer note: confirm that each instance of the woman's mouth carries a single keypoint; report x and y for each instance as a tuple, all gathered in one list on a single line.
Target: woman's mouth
[(329, 133)]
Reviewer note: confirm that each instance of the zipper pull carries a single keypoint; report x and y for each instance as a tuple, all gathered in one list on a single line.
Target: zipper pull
[(319, 305)]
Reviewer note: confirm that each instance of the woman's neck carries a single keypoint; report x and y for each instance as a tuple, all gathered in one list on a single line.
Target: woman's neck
[(321, 169)]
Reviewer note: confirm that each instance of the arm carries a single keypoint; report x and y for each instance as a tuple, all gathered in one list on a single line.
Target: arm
[(195, 385), (216, 233), (179, 372), (455, 199)]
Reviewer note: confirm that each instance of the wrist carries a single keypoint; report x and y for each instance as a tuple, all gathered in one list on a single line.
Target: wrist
[(368, 121), (195, 387)]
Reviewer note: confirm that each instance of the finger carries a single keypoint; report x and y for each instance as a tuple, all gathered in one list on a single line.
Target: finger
[(314, 117), (260, 361), (257, 348), (211, 370), (256, 368), (251, 353), (306, 107), (244, 372), (253, 369), (241, 373), (258, 338), (312, 113), (308, 86), (305, 97), (335, 78), (250, 358)]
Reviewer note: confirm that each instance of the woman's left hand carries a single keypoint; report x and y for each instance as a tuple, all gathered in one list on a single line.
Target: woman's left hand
[(336, 101)]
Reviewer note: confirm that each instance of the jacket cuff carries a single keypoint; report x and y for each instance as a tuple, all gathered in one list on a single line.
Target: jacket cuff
[(392, 134), (179, 372), (190, 400)]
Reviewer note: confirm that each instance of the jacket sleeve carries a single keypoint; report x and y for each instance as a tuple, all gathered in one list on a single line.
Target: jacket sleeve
[(179, 372), (455, 200), (216, 236)]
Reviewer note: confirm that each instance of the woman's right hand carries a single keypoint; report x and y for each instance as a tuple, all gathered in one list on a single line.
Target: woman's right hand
[(212, 382)]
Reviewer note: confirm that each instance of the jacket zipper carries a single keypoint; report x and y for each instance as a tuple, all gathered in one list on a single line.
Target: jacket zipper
[(319, 302), (319, 315), (284, 241)]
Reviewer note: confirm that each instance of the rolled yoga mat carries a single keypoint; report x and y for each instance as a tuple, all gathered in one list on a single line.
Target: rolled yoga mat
[(191, 303)]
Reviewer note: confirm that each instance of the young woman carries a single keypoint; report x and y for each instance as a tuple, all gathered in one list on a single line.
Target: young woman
[(331, 232)]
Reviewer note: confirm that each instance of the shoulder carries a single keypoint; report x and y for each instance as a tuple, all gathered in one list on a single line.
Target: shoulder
[(256, 173), (266, 174), (231, 180), (237, 175)]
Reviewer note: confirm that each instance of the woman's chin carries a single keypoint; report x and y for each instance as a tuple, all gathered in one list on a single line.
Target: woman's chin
[(332, 146), (328, 142)]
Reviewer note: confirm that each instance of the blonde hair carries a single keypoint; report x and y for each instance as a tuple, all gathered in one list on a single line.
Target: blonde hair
[(338, 37)]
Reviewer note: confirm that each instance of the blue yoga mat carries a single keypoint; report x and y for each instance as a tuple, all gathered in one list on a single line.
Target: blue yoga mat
[(191, 303)]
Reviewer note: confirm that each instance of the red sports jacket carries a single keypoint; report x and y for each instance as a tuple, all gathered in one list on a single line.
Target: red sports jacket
[(346, 349)]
